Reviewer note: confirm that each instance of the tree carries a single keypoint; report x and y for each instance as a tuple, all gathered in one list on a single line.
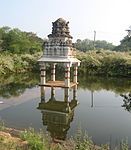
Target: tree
[(86, 44), (3, 33), (125, 44), (17, 41)]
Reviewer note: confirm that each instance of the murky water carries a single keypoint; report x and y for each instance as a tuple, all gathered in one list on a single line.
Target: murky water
[(103, 108)]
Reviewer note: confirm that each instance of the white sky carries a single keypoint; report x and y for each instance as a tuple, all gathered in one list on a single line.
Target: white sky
[(109, 18)]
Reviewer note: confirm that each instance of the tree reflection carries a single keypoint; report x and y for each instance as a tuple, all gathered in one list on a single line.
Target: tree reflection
[(15, 85), (96, 83), (127, 101)]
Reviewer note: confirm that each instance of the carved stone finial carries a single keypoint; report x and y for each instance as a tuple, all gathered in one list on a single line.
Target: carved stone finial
[(60, 29)]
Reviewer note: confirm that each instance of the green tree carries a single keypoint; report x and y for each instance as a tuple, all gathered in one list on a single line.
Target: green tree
[(104, 45), (3, 34), (86, 45), (125, 44), (17, 41)]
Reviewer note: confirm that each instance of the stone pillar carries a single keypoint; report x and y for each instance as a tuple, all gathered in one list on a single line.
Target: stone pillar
[(53, 72), (67, 75), (66, 99), (66, 94), (52, 94), (75, 92), (75, 73), (42, 94), (92, 98), (43, 74)]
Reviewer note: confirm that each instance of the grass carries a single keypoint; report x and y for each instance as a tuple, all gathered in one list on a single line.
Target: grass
[(35, 140), (31, 140)]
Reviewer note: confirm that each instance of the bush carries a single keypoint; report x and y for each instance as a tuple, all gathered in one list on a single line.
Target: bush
[(15, 63), (105, 63), (35, 141)]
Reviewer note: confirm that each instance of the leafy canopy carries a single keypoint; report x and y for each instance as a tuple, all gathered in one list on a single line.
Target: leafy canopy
[(86, 45), (17, 41)]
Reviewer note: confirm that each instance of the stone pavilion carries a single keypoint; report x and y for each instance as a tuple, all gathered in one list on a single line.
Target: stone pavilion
[(59, 49)]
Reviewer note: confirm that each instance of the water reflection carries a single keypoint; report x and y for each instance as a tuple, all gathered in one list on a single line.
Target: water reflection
[(94, 83), (127, 101), (105, 118), (15, 85), (58, 114)]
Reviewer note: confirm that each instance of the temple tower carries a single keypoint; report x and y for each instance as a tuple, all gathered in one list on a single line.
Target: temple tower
[(59, 49)]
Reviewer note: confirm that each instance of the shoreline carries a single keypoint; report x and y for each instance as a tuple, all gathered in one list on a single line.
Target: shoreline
[(13, 135)]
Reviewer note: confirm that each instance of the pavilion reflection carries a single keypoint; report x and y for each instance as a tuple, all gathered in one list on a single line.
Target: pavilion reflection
[(57, 115)]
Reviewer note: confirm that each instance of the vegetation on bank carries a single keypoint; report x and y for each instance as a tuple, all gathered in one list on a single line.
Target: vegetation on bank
[(12, 139), (18, 63), (31, 140), (106, 63), (98, 62)]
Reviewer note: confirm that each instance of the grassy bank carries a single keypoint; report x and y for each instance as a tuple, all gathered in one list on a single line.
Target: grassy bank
[(105, 63), (12, 139)]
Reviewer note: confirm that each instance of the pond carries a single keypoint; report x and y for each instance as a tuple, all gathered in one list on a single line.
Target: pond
[(101, 107)]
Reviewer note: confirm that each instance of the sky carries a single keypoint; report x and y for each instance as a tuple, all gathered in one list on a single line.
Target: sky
[(109, 18)]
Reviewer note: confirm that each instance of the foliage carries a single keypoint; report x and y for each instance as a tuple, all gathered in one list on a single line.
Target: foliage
[(42, 141), (103, 45), (125, 44), (86, 45), (106, 63), (15, 63), (82, 143), (17, 41), (35, 140)]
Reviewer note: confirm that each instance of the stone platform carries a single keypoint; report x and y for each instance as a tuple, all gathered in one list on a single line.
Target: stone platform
[(58, 84)]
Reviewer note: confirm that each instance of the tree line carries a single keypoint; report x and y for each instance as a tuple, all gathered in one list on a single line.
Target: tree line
[(20, 50), (17, 41), (86, 45)]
